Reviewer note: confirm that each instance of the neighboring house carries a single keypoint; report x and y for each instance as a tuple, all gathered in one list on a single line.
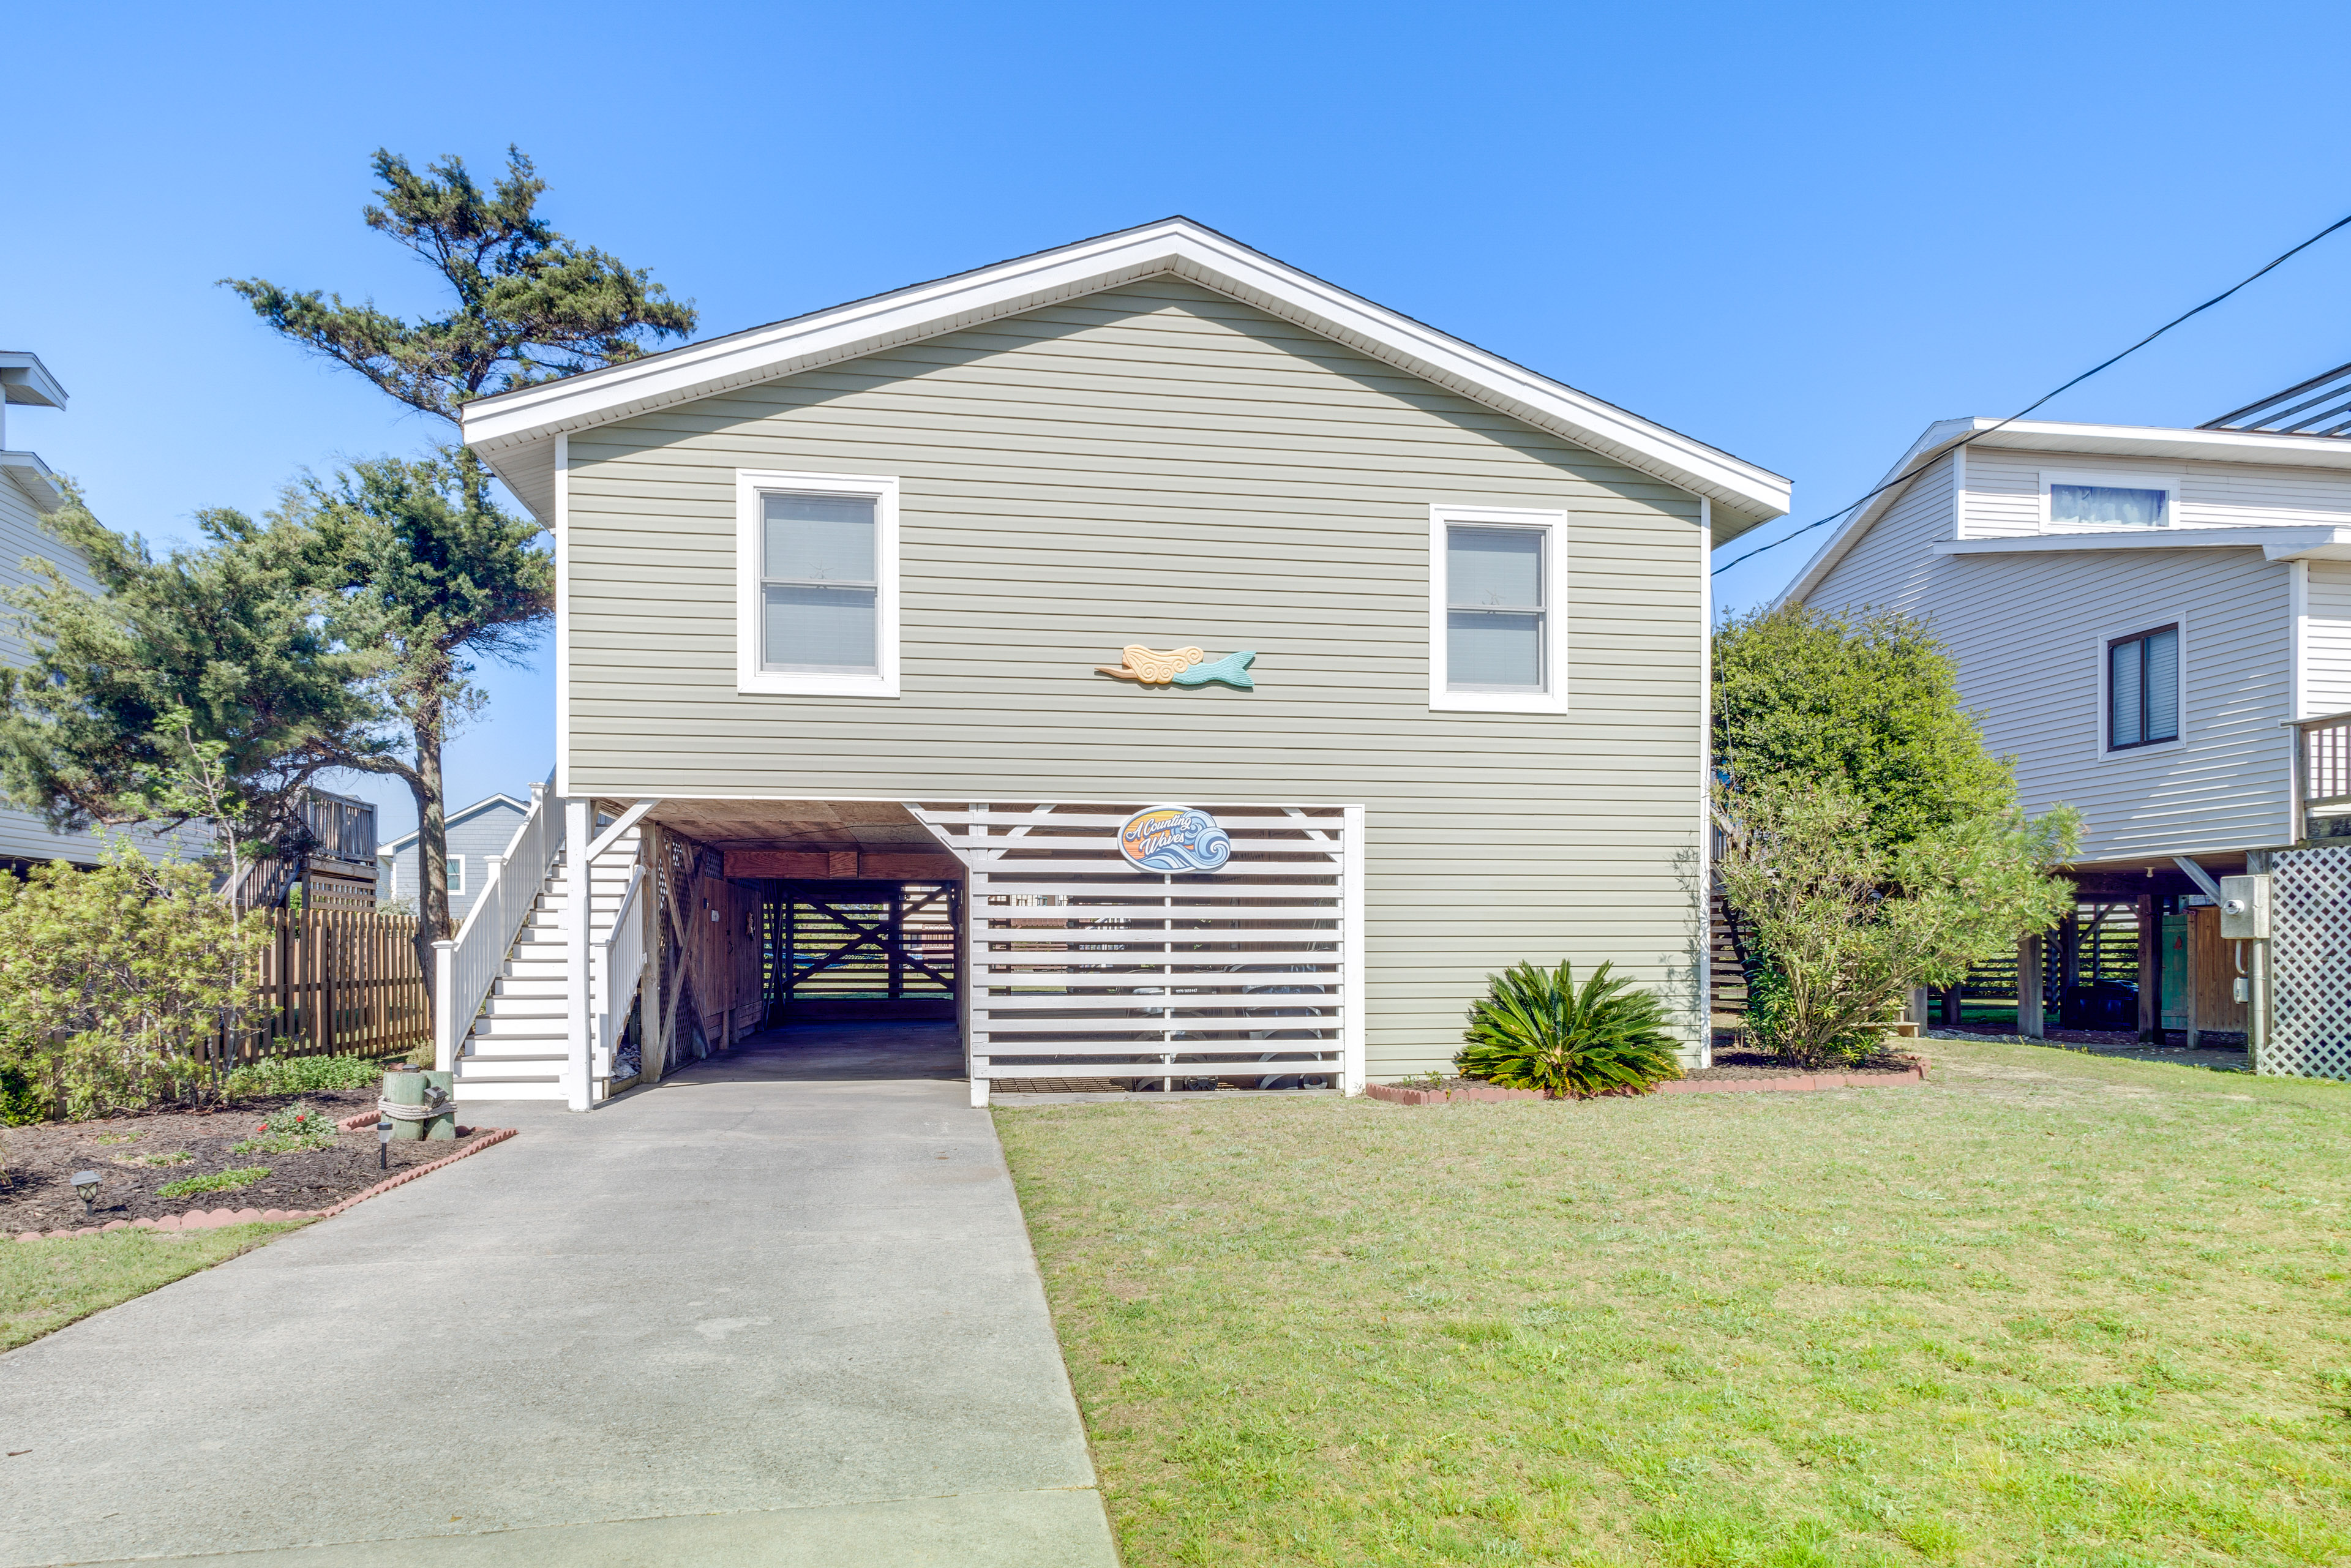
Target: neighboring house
[(481, 829), (29, 492), (917, 607), (2154, 623)]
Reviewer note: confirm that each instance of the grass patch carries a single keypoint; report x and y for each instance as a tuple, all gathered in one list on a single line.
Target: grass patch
[(2048, 1309), (45, 1285), (217, 1181)]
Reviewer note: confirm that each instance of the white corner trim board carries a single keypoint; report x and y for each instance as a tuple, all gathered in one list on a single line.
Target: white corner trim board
[(752, 486), (507, 429)]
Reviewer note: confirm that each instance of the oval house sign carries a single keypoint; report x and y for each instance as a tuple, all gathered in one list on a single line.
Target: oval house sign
[(1171, 838)]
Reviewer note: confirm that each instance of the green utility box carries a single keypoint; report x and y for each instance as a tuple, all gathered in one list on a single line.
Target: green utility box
[(411, 1087)]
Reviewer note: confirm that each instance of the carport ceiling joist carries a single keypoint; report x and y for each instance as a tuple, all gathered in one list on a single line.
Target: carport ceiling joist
[(794, 824)]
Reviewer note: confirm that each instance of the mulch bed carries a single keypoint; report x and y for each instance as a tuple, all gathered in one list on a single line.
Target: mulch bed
[(1739, 1062), (40, 1161)]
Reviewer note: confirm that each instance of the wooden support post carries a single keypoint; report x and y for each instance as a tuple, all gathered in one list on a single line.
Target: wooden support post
[(2150, 971), (1954, 1007), (2029, 1021)]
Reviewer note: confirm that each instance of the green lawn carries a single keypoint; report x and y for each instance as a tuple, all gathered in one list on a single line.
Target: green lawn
[(45, 1285), (2050, 1309)]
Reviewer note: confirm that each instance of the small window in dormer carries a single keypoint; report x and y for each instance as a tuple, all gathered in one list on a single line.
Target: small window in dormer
[(2108, 506)]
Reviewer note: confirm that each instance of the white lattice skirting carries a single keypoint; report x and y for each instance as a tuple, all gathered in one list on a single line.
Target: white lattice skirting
[(2310, 964)]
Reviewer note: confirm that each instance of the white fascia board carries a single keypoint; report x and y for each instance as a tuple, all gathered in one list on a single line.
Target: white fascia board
[(33, 476), (1740, 491), (24, 380), (2307, 542), (2063, 438), (393, 846), (1939, 438)]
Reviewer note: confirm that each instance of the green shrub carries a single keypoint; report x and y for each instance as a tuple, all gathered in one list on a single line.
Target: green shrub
[(301, 1075), (108, 976), (1536, 1029), (219, 1181), (283, 1131), (22, 1099)]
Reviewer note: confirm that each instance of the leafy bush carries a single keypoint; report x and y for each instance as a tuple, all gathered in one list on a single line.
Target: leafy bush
[(1537, 1029), (1846, 927), (219, 1181), (283, 1131), (301, 1075), (22, 1099), (108, 976)]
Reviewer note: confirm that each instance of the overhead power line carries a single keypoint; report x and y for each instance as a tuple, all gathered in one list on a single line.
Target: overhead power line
[(1977, 435)]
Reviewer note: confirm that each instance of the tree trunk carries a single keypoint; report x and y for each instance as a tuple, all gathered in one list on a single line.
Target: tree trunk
[(432, 844)]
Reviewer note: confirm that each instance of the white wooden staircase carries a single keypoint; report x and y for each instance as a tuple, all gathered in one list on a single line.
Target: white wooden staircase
[(527, 1040)]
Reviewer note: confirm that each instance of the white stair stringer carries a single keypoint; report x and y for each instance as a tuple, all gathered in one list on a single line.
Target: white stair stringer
[(519, 1046)]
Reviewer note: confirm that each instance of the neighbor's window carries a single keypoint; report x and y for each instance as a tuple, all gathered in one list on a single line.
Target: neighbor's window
[(1494, 608), (456, 876), (2108, 506), (818, 585), (2143, 689), (817, 612)]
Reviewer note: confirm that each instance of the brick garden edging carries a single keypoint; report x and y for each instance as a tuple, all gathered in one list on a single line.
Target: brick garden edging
[(212, 1219), (1799, 1083)]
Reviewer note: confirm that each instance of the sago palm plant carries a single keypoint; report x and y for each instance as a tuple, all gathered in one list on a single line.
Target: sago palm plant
[(1536, 1028)]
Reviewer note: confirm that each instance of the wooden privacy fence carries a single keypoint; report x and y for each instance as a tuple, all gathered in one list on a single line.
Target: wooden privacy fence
[(332, 982)]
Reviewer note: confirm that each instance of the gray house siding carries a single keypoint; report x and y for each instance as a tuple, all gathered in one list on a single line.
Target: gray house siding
[(23, 834), (1159, 464), (483, 828)]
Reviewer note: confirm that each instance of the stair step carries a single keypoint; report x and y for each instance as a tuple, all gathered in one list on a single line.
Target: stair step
[(512, 1089)]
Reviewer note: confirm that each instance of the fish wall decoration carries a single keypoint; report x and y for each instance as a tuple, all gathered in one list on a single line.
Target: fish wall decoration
[(1183, 667)]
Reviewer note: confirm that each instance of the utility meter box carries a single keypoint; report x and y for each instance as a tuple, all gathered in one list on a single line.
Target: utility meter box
[(2246, 908)]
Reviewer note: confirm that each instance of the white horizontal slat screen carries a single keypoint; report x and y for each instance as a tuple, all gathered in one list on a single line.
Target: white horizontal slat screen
[(1081, 966)]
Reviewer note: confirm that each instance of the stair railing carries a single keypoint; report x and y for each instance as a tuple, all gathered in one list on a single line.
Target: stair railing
[(466, 968), (618, 964)]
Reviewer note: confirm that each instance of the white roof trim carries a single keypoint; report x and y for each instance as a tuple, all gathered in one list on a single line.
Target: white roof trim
[(514, 431), (2315, 541), (33, 476), (2067, 439), (25, 379), (386, 850)]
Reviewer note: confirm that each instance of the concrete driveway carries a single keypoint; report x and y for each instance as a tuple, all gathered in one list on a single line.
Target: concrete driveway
[(779, 1310)]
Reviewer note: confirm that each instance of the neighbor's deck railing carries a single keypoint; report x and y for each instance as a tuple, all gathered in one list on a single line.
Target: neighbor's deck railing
[(2325, 758), (2322, 768), (466, 968), (618, 963)]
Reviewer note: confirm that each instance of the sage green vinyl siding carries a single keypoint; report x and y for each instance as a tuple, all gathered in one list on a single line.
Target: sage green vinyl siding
[(1158, 463)]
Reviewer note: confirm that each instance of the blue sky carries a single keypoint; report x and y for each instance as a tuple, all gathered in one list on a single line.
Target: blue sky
[(1801, 233)]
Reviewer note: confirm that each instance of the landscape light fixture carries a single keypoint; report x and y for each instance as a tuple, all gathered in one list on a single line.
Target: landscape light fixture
[(85, 1186), (383, 1143)]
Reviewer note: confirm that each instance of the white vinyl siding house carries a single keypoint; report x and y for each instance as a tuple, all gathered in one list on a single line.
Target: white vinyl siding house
[(1178, 445), (2149, 623)]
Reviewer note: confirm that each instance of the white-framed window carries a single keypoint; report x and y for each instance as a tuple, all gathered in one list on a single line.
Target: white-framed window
[(816, 565), (456, 876), (1497, 609), (2077, 502), (2142, 684)]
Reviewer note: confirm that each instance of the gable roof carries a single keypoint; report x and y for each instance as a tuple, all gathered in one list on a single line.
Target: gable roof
[(386, 850), (514, 432), (2204, 442)]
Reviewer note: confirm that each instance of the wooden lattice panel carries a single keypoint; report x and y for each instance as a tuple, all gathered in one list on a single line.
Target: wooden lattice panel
[(1081, 966), (2310, 964)]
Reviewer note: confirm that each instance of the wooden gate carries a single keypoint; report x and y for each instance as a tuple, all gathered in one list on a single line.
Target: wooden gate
[(844, 951), (1079, 964)]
